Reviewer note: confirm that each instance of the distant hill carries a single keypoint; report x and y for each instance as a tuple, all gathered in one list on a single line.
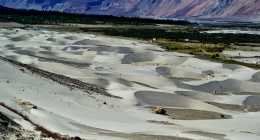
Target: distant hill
[(155, 8)]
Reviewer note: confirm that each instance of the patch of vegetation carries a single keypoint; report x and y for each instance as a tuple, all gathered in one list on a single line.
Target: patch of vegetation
[(193, 48), (149, 33)]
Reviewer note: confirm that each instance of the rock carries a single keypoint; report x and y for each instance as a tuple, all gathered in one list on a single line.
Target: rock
[(4, 123), (77, 138), (22, 70), (43, 136), (160, 111), (246, 109), (19, 135)]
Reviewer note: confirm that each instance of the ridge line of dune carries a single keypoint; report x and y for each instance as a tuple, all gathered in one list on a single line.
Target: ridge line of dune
[(61, 79), (70, 63)]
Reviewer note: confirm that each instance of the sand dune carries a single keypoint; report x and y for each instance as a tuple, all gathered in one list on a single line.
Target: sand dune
[(172, 100), (202, 96), (256, 77), (20, 38), (90, 42), (153, 81), (10, 46), (152, 57), (128, 69), (228, 86), (233, 66), (139, 57), (71, 37), (172, 72), (252, 101), (51, 39), (46, 47), (124, 50), (74, 48), (25, 52)]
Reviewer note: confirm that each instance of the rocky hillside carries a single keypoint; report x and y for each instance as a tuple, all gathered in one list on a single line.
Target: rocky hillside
[(157, 8), (9, 129)]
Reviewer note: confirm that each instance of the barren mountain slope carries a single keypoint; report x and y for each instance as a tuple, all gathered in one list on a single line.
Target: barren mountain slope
[(157, 8)]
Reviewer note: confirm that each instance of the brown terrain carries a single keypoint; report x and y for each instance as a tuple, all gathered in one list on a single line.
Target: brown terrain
[(190, 114)]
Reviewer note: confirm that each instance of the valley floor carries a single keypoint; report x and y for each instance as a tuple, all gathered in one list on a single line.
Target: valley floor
[(201, 98)]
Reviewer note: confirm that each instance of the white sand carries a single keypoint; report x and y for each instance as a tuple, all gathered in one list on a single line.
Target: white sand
[(233, 32), (242, 53), (248, 60), (127, 69)]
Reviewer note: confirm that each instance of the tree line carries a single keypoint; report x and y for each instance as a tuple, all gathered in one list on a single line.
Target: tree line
[(54, 17)]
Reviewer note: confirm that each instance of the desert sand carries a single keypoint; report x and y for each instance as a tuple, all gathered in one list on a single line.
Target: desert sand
[(10, 25), (137, 75), (233, 32)]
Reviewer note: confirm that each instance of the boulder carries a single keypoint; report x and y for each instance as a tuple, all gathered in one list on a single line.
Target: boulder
[(34, 107), (160, 111), (75, 138)]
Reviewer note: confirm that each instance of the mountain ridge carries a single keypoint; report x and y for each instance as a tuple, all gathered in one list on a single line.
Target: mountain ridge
[(145, 8)]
